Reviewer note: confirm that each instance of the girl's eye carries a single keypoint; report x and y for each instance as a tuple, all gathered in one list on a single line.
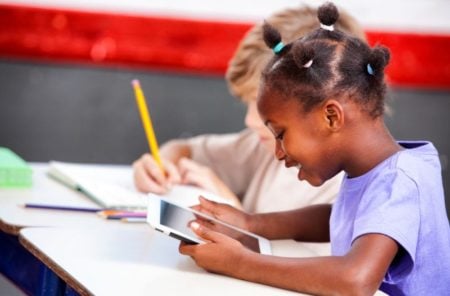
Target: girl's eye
[(279, 136)]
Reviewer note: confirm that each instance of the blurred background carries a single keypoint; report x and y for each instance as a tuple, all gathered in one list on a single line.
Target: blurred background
[(66, 67)]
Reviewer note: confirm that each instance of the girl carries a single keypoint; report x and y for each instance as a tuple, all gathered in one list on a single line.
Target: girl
[(322, 96)]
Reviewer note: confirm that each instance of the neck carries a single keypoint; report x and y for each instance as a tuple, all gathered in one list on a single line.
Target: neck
[(375, 144)]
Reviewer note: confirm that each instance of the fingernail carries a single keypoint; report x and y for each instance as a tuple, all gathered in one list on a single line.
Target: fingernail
[(195, 225)]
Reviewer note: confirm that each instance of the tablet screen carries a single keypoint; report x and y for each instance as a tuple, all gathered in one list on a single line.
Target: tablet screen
[(178, 218)]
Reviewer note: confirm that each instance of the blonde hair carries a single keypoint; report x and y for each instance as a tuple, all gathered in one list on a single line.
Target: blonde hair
[(252, 55)]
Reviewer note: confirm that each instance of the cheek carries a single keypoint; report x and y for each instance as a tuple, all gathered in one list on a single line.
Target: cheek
[(303, 147)]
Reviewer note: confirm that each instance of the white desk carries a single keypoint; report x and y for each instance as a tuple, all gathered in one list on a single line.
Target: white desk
[(136, 261), (13, 216)]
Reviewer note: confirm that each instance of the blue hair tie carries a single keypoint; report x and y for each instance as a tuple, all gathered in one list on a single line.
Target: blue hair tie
[(369, 69), (279, 47)]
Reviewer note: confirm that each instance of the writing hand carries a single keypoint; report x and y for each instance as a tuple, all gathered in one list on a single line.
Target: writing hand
[(148, 176)]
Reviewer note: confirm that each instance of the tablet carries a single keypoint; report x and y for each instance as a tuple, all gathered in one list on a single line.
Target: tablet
[(173, 219)]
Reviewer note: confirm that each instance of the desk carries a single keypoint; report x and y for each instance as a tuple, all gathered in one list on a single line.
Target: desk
[(13, 217), (136, 261), (18, 264)]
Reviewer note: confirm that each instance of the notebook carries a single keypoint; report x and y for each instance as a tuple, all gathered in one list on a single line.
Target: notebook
[(112, 187)]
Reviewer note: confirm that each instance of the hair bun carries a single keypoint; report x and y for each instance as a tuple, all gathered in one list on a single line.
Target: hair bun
[(271, 35), (328, 14), (302, 54), (378, 58)]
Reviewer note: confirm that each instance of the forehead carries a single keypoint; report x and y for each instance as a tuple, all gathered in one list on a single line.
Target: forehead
[(272, 105)]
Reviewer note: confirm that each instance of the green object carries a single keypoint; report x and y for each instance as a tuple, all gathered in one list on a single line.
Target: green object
[(14, 171)]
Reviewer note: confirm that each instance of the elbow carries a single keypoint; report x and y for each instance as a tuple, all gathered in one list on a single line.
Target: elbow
[(357, 282)]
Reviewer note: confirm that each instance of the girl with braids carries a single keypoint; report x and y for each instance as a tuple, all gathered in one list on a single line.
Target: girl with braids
[(322, 98)]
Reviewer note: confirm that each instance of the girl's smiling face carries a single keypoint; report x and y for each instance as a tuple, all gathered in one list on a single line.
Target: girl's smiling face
[(306, 140)]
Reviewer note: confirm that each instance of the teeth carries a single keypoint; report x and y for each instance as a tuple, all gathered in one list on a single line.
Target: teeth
[(299, 166)]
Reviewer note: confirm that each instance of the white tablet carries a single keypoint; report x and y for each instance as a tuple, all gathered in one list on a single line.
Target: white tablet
[(172, 219)]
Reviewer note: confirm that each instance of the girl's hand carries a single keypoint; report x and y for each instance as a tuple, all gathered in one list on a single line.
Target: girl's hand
[(148, 176), (220, 253), (224, 213), (202, 176)]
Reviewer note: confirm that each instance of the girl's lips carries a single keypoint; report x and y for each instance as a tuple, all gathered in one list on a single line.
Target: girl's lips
[(300, 176)]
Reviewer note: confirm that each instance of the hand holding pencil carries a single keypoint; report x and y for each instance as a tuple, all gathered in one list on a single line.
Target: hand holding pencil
[(151, 174)]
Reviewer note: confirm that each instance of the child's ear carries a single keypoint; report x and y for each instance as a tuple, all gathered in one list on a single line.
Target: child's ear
[(334, 114)]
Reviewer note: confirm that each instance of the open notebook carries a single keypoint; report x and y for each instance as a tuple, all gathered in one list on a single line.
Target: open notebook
[(112, 187)]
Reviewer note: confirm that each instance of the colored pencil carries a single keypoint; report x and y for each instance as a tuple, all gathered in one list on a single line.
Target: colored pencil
[(61, 208), (117, 214), (134, 220)]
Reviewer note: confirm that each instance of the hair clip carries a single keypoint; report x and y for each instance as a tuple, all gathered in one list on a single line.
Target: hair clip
[(369, 69), (278, 48), (308, 64), (326, 27)]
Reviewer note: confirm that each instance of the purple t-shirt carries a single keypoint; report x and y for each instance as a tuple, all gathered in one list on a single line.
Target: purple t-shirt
[(403, 198)]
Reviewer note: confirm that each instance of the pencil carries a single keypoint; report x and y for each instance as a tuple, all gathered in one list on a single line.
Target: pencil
[(116, 215), (134, 220), (61, 208), (147, 122)]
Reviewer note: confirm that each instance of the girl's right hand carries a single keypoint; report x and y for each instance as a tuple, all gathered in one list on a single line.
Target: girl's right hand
[(148, 176)]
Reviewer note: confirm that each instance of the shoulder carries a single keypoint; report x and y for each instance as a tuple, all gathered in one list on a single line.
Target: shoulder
[(418, 157)]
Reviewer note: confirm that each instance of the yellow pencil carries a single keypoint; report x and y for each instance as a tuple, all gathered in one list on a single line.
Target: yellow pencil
[(147, 122)]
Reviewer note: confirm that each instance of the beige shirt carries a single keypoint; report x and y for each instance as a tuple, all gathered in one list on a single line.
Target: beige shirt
[(262, 182)]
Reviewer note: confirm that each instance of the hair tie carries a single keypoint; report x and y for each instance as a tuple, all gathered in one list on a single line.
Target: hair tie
[(369, 69), (308, 64), (326, 27), (279, 47)]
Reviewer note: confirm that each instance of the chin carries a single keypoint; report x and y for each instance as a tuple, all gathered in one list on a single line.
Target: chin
[(316, 182)]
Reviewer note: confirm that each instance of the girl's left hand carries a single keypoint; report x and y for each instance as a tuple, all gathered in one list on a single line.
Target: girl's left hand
[(220, 254)]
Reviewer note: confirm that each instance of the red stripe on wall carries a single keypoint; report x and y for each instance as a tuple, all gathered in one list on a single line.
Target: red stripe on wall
[(183, 45)]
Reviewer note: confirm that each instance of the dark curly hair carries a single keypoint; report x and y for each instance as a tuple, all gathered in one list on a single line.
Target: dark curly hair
[(327, 63)]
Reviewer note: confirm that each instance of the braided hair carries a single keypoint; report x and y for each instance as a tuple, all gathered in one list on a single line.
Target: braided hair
[(327, 63)]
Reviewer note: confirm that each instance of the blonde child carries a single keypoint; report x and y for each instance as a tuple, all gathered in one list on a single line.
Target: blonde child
[(241, 166), (322, 97)]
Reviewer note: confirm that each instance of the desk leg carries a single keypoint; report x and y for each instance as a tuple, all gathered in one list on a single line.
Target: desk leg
[(26, 271), (70, 292), (50, 283)]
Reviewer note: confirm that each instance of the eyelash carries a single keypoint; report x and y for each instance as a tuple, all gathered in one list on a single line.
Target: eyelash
[(279, 136)]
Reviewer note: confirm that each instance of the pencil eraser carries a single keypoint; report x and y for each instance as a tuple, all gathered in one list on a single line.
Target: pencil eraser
[(135, 83)]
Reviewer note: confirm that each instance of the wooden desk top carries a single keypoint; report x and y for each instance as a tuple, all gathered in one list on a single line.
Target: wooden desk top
[(13, 216), (136, 261)]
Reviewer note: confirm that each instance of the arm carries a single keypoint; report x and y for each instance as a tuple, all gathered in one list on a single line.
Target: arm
[(174, 150), (305, 224), (359, 272)]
